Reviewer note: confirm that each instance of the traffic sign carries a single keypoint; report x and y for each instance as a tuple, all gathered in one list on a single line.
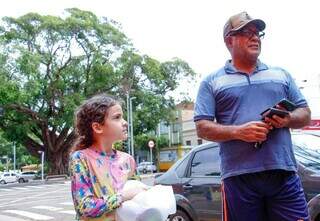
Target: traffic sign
[(151, 144)]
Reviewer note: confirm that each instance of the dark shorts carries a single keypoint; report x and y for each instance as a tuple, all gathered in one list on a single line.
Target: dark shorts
[(274, 195)]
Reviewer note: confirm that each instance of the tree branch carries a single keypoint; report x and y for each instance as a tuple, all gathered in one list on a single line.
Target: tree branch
[(70, 139), (34, 115), (61, 138), (32, 146)]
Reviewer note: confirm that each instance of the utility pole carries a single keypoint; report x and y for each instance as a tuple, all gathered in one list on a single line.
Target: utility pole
[(7, 162), (128, 122), (42, 163), (131, 128), (14, 156), (151, 145)]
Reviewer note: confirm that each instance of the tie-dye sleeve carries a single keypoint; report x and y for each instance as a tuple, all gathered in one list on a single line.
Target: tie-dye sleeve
[(133, 167), (86, 204)]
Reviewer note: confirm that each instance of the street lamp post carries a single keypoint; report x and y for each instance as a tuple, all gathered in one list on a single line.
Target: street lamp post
[(42, 163)]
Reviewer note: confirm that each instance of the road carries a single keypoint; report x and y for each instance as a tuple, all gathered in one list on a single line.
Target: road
[(40, 201)]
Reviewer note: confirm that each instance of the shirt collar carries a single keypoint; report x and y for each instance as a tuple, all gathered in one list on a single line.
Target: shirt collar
[(112, 155), (230, 69)]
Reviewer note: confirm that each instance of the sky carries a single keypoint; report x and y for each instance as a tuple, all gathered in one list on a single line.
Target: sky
[(192, 30)]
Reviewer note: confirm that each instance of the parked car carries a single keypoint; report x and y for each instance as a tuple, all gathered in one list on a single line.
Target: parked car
[(38, 175), (8, 177), (145, 167), (26, 176), (196, 180)]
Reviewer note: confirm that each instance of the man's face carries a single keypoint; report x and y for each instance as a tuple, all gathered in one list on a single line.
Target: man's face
[(246, 43)]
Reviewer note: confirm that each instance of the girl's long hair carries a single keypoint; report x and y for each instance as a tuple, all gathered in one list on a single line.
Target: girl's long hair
[(92, 110)]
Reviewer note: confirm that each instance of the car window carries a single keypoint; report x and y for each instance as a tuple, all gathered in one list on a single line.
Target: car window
[(6, 174), (206, 163), (181, 168)]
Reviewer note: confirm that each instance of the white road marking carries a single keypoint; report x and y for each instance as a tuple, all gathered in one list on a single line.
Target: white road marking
[(48, 185), (26, 199), (35, 187), (67, 203), (71, 212), (19, 188), (50, 208), (33, 216), (6, 190), (3, 217)]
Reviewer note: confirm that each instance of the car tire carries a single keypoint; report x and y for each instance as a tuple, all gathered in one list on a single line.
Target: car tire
[(179, 216), (21, 180), (3, 182)]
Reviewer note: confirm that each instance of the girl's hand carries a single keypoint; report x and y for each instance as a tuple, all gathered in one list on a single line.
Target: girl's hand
[(129, 193)]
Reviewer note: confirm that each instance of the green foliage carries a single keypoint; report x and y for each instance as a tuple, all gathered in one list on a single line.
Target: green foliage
[(49, 65), (22, 156), (141, 141), (2, 167)]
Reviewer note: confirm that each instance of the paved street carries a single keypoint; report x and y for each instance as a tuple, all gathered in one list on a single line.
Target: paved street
[(40, 201), (36, 201)]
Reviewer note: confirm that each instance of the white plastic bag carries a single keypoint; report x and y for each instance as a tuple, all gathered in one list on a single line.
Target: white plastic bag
[(155, 204)]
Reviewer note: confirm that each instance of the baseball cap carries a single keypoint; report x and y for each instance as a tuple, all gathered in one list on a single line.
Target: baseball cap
[(239, 21)]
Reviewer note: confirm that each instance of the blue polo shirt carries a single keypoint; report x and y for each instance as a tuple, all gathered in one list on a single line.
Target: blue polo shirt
[(233, 98)]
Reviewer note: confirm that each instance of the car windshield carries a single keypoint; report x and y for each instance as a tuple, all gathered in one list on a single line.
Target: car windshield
[(307, 141), (307, 150)]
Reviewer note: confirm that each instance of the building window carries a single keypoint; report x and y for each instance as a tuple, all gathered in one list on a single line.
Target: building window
[(199, 141), (188, 142)]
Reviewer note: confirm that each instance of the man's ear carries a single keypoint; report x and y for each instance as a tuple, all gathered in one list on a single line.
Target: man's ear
[(96, 127), (228, 42)]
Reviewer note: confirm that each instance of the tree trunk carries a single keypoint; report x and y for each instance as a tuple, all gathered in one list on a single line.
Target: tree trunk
[(58, 162)]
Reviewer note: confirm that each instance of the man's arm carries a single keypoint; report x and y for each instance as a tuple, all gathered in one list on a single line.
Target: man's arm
[(298, 118), (254, 131)]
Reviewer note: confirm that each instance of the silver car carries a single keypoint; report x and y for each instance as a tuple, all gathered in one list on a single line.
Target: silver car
[(146, 167), (26, 176)]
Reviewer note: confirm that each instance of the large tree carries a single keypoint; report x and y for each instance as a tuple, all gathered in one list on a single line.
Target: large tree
[(49, 64)]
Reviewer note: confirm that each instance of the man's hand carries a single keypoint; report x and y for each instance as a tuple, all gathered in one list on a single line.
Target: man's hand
[(254, 131), (279, 122)]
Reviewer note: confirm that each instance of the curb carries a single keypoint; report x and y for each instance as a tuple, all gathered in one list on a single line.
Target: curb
[(144, 176)]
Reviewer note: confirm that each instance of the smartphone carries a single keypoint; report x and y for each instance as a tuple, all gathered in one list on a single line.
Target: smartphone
[(288, 105), (274, 111)]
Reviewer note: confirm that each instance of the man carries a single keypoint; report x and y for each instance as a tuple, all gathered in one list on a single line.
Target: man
[(259, 181)]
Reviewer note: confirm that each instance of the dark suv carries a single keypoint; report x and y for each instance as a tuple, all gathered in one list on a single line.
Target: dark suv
[(196, 179)]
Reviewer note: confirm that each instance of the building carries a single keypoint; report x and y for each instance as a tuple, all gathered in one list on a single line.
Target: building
[(311, 90), (182, 131)]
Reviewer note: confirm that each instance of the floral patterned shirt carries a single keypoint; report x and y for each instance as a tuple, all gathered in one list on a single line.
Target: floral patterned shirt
[(96, 179)]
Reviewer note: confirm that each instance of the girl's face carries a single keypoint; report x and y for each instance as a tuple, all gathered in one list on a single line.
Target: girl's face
[(114, 127)]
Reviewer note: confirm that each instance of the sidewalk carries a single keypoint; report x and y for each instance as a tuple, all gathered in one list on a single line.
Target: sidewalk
[(148, 175)]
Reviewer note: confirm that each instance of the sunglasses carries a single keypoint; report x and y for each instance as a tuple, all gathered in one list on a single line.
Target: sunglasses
[(248, 33)]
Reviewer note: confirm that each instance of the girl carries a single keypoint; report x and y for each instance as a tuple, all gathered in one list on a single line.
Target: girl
[(98, 172)]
